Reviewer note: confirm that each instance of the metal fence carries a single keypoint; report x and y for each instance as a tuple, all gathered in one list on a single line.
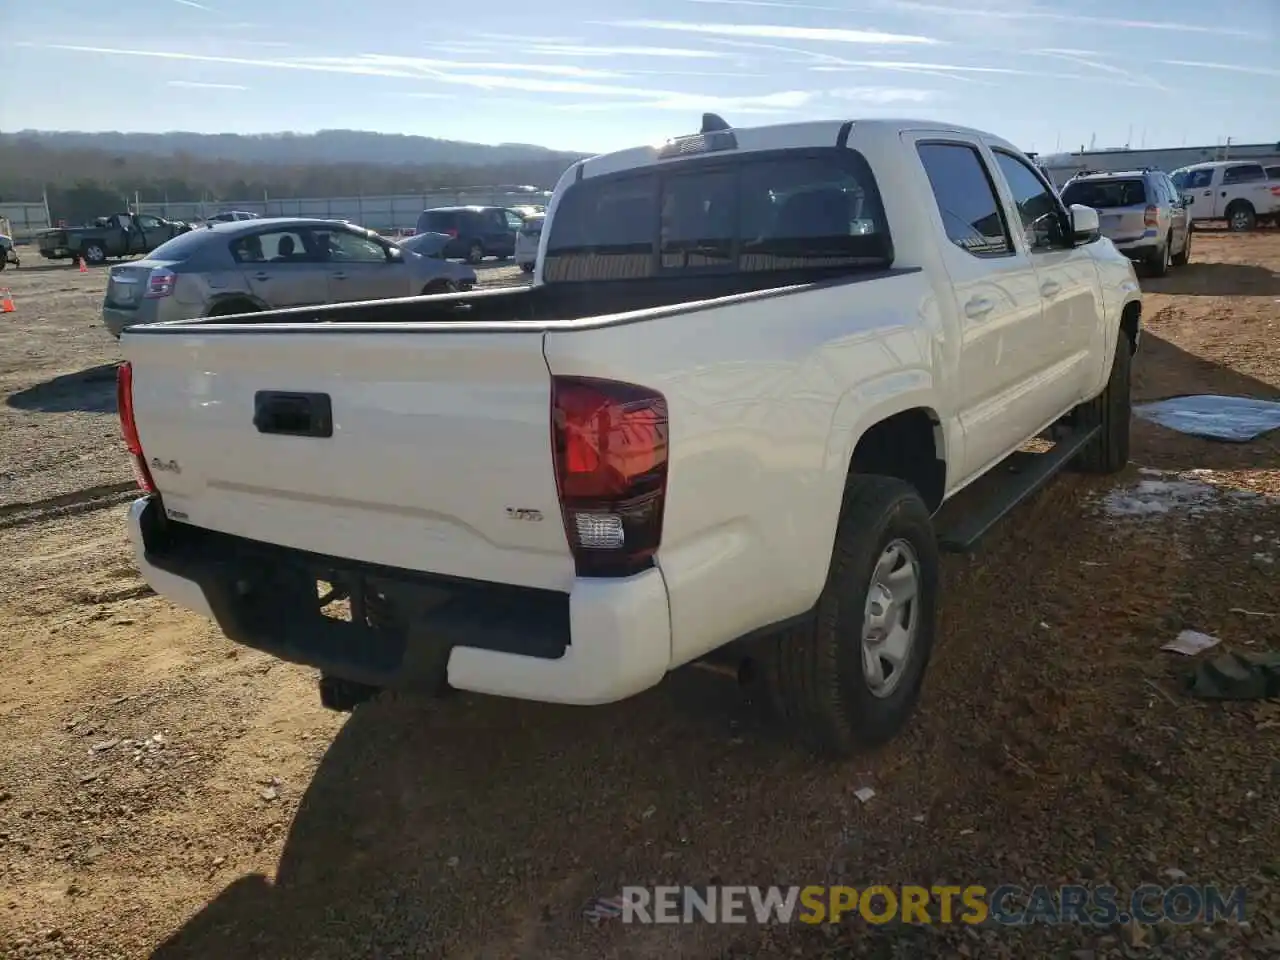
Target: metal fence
[(25, 219), (376, 213)]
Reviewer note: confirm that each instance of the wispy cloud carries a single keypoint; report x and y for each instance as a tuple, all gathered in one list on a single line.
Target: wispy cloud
[(1085, 59), (989, 13), (771, 103), (776, 32), (830, 62), (583, 50), (1231, 67), (456, 73), (432, 68), (882, 96), (194, 5), (195, 85)]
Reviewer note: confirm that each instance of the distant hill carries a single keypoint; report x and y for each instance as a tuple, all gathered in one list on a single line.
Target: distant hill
[(87, 174), (324, 147)]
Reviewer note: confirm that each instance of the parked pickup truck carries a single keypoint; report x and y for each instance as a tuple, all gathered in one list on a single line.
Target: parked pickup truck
[(726, 425), (1231, 190), (119, 235)]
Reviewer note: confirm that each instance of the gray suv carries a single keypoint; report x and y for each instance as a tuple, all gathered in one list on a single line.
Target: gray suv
[(1141, 212), (250, 265)]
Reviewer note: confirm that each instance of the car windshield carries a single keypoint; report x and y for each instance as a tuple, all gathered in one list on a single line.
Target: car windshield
[(1105, 194)]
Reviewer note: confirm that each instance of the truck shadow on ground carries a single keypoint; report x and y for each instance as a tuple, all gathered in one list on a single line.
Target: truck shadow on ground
[(92, 390), (1165, 370), (1216, 280), (415, 804)]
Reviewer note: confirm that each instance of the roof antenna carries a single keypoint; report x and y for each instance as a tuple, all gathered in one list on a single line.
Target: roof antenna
[(712, 122)]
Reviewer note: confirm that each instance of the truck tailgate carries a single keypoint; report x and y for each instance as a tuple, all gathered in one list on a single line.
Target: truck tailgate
[(439, 458)]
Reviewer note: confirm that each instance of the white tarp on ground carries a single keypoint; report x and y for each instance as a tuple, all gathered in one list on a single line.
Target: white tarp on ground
[(1236, 419)]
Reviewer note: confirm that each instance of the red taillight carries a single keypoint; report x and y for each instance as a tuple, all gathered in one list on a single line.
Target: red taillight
[(610, 445), (1151, 217), (453, 232), (129, 427), (160, 283)]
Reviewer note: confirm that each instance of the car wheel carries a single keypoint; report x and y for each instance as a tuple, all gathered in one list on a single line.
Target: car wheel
[(1241, 217), (1183, 257), (1158, 264), (849, 679), (1110, 410), (476, 253), (94, 253)]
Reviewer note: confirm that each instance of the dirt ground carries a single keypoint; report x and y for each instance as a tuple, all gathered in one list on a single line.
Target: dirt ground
[(164, 793)]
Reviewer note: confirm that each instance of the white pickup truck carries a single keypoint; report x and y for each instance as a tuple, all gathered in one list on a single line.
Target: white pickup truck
[(1236, 191), (725, 425)]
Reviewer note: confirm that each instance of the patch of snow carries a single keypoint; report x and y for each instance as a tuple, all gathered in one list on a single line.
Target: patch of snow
[(1175, 493)]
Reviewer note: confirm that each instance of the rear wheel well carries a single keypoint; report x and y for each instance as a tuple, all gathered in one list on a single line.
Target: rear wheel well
[(1129, 321), (225, 308), (906, 446)]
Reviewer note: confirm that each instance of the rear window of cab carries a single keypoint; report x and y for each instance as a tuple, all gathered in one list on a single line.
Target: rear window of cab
[(746, 213)]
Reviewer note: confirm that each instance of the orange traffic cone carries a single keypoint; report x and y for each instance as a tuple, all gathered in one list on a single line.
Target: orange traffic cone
[(83, 268), (6, 301)]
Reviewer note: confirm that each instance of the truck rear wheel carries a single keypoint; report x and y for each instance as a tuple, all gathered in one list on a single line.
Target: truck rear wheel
[(1110, 410), (94, 253), (849, 679)]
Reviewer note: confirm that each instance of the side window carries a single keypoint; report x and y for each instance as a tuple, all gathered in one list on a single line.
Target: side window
[(148, 223), (277, 246), (346, 247), (1199, 179), (604, 230), (1244, 173), (514, 222), (1037, 206), (966, 199)]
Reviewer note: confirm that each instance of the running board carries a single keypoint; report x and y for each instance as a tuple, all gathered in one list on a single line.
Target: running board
[(964, 521)]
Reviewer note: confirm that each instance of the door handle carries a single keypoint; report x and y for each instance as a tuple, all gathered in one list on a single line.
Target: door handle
[(260, 275), (978, 307), (293, 414), (1050, 289)]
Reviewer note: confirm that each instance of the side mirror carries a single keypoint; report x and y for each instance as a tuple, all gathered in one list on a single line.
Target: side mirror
[(1188, 199), (1084, 224)]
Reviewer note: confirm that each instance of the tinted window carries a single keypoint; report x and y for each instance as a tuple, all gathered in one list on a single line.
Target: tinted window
[(1273, 173), (742, 214), (277, 246), (1245, 173), (1104, 194), (971, 212), (148, 222), (1036, 203), (437, 221)]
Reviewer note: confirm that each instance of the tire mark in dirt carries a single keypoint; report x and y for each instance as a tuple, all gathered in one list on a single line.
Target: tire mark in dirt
[(97, 497)]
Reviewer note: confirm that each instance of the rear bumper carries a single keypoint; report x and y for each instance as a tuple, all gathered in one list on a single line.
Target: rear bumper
[(116, 320), (1140, 250), (602, 642)]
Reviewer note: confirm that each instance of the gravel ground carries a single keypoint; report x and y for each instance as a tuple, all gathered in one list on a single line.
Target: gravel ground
[(164, 793)]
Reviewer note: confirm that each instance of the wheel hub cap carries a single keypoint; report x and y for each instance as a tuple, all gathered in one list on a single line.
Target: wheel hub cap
[(890, 618)]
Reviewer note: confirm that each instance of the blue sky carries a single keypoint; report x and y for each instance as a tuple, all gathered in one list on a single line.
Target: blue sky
[(595, 75)]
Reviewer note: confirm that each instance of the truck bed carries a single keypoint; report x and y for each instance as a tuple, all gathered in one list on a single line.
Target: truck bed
[(541, 307)]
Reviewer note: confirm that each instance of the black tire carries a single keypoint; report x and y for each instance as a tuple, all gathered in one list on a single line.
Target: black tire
[(231, 307), (1158, 263), (1109, 451), (94, 254), (814, 673), (1182, 258), (1241, 217), (475, 253)]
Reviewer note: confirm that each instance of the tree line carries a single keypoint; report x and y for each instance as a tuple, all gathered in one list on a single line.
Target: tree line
[(86, 183)]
